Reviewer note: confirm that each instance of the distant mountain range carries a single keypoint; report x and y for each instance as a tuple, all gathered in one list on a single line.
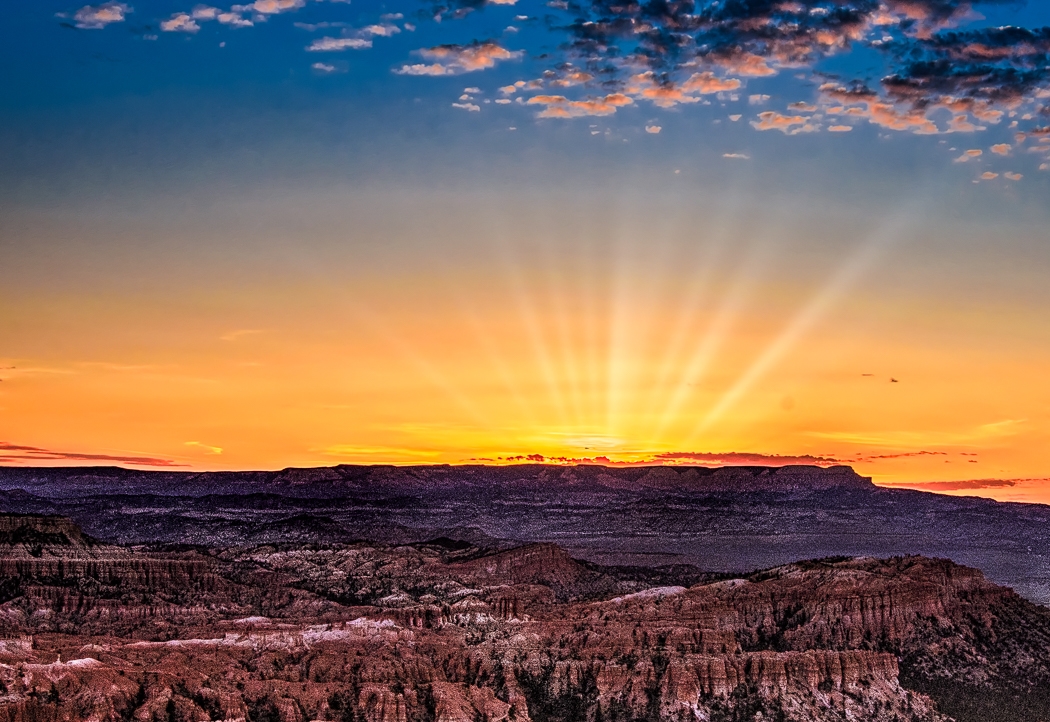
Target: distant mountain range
[(731, 519), (346, 478)]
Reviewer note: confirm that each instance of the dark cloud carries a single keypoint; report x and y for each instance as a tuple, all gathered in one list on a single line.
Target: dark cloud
[(981, 70), (16, 454), (737, 458), (733, 458), (901, 455), (962, 485), (940, 78)]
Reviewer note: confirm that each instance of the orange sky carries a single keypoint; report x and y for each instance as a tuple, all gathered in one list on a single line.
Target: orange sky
[(643, 337)]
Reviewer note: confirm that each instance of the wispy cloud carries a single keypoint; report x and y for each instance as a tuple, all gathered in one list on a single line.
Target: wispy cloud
[(323, 45), (18, 454), (675, 458), (207, 448), (973, 484), (737, 458)]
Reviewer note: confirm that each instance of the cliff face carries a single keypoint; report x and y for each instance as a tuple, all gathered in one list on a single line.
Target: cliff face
[(53, 578), (449, 632)]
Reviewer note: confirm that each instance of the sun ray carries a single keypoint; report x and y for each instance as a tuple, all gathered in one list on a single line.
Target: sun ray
[(528, 313), (689, 307), (561, 322), (705, 351), (864, 256)]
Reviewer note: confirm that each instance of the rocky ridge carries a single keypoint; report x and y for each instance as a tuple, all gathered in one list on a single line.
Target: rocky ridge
[(370, 479)]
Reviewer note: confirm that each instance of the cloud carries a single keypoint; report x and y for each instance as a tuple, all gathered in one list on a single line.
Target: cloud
[(96, 17), (270, 7), (385, 30), (938, 76), (733, 458), (1001, 149), (567, 77), (467, 106), (558, 106), (323, 45), (680, 458), (787, 124), (898, 455), (207, 448), (456, 59), (180, 23), (234, 20), (653, 129), (860, 102), (205, 12), (959, 485), (666, 94), (968, 154), (736, 458), (14, 453), (189, 22), (1012, 176), (988, 175), (324, 68), (707, 82), (422, 69), (939, 79), (737, 156)]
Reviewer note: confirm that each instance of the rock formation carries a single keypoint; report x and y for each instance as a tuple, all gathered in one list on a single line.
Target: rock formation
[(453, 632)]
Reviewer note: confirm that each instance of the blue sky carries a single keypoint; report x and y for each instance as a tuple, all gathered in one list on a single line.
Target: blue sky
[(130, 93)]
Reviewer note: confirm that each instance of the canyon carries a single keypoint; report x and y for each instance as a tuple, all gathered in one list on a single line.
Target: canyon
[(446, 630), (385, 594)]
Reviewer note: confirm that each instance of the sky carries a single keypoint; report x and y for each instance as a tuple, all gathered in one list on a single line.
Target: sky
[(304, 232)]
